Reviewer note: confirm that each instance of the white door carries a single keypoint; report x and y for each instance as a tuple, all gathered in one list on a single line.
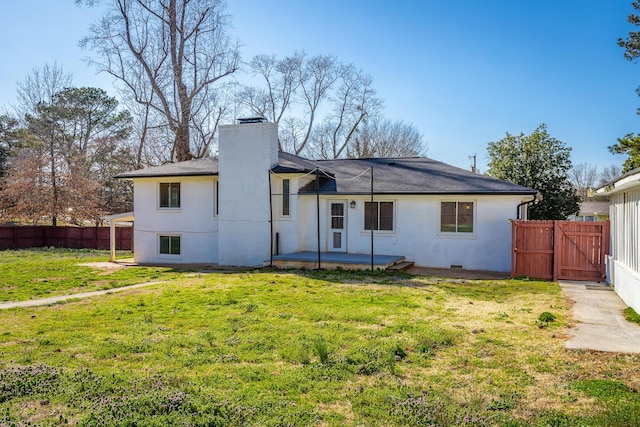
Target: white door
[(338, 226)]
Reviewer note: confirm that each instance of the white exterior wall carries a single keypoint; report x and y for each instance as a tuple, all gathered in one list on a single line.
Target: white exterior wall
[(246, 154), (626, 283), (416, 234), (194, 221), (624, 262), (285, 225)]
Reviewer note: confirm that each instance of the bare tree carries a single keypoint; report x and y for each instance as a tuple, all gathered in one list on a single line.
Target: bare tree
[(169, 55), (609, 173), (318, 101), (318, 76), (40, 87), (583, 176), (354, 101), (387, 138), (281, 78)]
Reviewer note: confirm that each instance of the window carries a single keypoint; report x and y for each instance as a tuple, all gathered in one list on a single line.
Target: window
[(285, 197), (170, 195), (378, 216), (456, 217), (170, 245), (215, 198)]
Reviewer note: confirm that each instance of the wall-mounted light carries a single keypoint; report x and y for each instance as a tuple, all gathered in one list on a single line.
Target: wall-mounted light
[(352, 204)]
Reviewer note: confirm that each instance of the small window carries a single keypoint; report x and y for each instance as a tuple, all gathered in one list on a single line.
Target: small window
[(215, 198), (285, 197), (170, 195), (378, 216), (456, 217), (170, 245)]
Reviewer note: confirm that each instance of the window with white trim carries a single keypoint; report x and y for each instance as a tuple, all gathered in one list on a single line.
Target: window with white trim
[(169, 245), (169, 195), (456, 217), (378, 216)]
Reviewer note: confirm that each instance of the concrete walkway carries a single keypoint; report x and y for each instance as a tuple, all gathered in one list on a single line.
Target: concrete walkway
[(60, 298), (601, 324)]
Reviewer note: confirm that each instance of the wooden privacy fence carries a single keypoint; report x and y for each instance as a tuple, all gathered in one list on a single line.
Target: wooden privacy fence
[(17, 237), (559, 250)]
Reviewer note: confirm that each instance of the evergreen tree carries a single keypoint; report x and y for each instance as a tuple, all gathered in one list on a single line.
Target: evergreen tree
[(541, 162)]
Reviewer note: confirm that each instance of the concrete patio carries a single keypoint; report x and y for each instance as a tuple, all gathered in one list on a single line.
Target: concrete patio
[(333, 260)]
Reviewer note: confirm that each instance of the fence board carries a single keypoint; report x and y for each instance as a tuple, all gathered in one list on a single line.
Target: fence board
[(19, 237)]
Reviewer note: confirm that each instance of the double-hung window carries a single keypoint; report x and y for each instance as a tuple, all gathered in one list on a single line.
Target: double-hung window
[(170, 245), (170, 195), (456, 217), (378, 216)]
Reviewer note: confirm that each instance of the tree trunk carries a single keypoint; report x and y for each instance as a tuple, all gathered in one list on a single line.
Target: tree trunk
[(181, 144)]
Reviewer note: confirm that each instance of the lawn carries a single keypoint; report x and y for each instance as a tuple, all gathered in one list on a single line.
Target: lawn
[(295, 348), (41, 273)]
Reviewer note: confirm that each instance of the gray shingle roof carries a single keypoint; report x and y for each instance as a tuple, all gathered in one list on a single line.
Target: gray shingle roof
[(419, 175), (415, 175), (199, 167)]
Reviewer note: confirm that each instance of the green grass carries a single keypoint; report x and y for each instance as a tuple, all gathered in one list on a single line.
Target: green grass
[(298, 348), (41, 273), (631, 315)]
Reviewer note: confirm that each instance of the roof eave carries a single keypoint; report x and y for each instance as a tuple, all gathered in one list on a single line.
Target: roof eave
[(425, 193), (163, 175)]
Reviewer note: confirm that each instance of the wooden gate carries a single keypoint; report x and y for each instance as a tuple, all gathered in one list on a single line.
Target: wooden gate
[(559, 250)]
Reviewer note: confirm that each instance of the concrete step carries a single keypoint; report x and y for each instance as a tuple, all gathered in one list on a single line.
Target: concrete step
[(401, 266)]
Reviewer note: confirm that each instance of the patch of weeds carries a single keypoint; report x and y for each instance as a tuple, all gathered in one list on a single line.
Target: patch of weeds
[(546, 317), (28, 381), (502, 316), (505, 402), (227, 358), (321, 350), (631, 315), (296, 354), (558, 419), (436, 338), (250, 308), (619, 414), (431, 411), (603, 389)]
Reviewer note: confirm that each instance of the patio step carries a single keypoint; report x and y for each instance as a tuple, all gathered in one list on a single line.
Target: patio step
[(401, 266)]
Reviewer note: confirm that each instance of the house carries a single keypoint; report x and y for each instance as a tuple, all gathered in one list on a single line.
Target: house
[(595, 210), (623, 265), (253, 202)]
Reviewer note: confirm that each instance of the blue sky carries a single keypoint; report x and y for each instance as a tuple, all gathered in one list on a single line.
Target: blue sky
[(464, 72)]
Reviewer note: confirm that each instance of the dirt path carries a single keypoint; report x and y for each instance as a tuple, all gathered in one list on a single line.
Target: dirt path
[(60, 298)]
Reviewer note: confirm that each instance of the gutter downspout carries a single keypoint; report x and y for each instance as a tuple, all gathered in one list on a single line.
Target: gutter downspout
[(528, 202)]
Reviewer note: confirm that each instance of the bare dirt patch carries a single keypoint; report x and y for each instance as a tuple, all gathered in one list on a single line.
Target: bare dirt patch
[(103, 265)]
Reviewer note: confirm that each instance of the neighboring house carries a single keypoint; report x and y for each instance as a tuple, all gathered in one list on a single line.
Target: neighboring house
[(623, 265), (228, 210), (592, 211)]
